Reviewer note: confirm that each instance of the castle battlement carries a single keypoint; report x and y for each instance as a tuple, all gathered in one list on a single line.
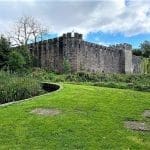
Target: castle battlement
[(72, 35), (82, 55)]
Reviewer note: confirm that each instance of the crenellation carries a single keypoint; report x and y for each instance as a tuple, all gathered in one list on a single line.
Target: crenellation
[(69, 35), (82, 55)]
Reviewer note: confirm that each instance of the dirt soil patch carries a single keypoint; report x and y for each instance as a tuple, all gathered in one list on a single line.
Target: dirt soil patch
[(46, 111), (146, 113), (135, 125)]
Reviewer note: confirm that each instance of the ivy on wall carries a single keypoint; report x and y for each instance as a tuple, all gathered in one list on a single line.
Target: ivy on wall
[(145, 66), (66, 66)]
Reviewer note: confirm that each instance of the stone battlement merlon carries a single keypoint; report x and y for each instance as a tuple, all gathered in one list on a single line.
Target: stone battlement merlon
[(82, 55), (72, 35), (124, 46)]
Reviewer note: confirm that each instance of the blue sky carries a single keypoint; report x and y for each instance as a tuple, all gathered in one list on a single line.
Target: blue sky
[(111, 39), (100, 21)]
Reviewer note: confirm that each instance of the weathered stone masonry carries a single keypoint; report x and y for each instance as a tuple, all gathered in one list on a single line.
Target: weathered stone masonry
[(82, 55)]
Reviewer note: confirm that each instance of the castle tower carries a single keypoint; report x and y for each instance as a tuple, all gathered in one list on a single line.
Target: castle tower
[(128, 58), (70, 45)]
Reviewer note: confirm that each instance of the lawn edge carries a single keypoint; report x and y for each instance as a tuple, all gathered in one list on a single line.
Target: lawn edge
[(31, 98)]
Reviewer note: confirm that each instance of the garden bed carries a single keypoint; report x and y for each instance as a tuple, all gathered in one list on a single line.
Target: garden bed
[(14, 88)]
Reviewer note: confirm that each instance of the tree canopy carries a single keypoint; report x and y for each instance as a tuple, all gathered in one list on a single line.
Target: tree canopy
[(145, 48), (4, 51)]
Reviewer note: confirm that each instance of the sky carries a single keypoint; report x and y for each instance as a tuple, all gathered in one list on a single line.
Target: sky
[(104, 22)]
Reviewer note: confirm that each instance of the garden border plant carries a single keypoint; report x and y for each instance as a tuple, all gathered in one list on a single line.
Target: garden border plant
[(14, 88), (140, 82)]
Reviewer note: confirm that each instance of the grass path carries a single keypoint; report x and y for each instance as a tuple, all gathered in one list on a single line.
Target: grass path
[(92, 118)]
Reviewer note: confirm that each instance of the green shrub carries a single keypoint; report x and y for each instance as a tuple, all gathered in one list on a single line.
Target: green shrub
[(38, 73), (145, 65), (23, 50), (123, 81), (123, 86), (16, 61), (66, 66), (4, 52), (13, 88)]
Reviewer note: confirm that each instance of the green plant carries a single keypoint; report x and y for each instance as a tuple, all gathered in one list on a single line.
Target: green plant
[(23, 50), (137, 52), (145, 47), (145, 64), (16, 61), (4, 51), (66, 66), (13, 87), (111, 80)]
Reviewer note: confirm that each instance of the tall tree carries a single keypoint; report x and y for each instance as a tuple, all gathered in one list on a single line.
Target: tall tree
[(16, 61), (137, 52), (26, 29), (4, 51), (145, 47)]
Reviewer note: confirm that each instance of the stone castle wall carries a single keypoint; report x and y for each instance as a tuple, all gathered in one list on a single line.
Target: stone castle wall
[(82, 55), (97, 58)]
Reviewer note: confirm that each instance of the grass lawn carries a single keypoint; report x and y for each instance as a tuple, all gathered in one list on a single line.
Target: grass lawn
[(92, 118)]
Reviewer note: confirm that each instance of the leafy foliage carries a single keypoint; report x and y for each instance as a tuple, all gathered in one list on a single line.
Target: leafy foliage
[(137, 52), (23, 50), (145, 66), (144, 50), (66, 66), (16, 61), (14, 88), (4, 51), (145, 47), (127, 81)]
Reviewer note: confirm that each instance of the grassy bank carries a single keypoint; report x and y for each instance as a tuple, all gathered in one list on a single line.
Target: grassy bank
[(91, 118)]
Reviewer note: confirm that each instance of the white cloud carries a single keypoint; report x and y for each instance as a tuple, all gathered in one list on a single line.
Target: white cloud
[(125, 16)]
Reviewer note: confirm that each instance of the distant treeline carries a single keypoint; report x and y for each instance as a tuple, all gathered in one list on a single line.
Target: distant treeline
[(143, 50)]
